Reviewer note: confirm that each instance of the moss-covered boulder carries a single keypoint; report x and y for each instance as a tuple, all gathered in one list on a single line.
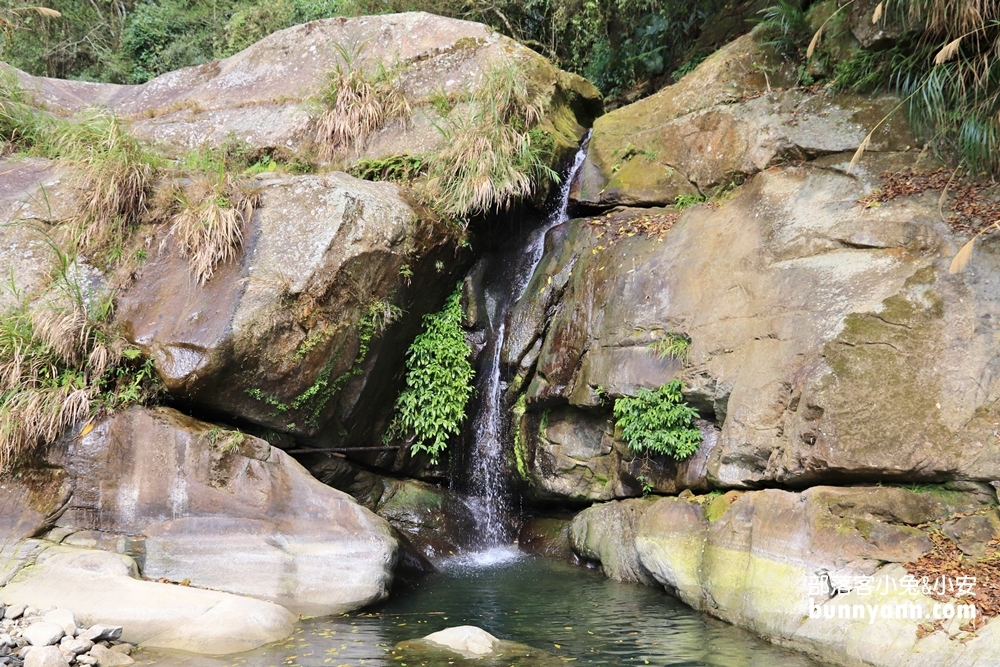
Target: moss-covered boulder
[(729, 118), (784, 564), (605, 534), (827, 339)]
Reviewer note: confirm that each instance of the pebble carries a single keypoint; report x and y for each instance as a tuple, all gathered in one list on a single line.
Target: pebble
[(99, 633), (108, 658), (63, 618), (14, 612), (76, 646)]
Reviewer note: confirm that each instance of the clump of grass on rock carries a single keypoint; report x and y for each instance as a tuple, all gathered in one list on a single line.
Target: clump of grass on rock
[(209, 225), (357, 102), (494, 155)]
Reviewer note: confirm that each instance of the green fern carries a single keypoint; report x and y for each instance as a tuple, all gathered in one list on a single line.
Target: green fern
[(660, 422)]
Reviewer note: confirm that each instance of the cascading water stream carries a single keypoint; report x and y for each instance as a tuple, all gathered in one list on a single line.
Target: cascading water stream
[(490, 492)]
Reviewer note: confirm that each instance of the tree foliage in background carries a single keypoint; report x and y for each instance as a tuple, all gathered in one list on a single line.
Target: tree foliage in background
[(658, 422), (438, 382), (617, 44), (940, 56)]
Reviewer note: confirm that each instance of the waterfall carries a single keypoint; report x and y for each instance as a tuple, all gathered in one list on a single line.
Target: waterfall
[(490, 494)]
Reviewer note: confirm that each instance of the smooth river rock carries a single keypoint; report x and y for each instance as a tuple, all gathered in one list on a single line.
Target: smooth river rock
[(766, 559), (468, 645), (245, 518), (102, 587)]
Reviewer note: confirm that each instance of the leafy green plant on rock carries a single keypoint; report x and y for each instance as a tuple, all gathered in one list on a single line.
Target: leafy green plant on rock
[(658, 422), (438, 382)]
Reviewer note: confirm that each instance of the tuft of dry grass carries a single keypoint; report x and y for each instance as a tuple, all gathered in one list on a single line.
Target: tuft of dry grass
[(61, 361), (494, 156), (115, 176), (210, 223), (356, 103)]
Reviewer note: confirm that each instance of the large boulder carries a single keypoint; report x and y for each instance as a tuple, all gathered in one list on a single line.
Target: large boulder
[(303, 334), (262, 94), (224, 511), (100, 587), (729, 118), (828, 340), (606, 534), (777, 562)]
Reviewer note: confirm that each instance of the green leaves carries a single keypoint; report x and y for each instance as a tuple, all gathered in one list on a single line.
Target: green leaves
[(658, 421), (438, 382)]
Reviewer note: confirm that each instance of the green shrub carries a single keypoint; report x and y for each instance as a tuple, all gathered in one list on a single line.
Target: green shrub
[(397, 168), (438, 382), (659, 422)]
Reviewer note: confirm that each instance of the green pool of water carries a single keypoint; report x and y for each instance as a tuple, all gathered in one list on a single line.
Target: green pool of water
[(574, 613)]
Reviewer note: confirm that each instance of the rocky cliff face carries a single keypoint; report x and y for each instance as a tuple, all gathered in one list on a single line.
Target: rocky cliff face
[(300, 338), (829, 344)]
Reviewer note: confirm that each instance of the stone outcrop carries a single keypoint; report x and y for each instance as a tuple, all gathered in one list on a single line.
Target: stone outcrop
[(262, 94), (103, 588), (223, 511), (304, 334), (775, 562), (730, 118), (33, 195), (828, 340), (335, 273)]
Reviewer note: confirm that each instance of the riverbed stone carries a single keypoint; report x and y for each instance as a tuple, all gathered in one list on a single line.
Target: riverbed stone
[(43, 633), (76, 646), (470, 641), (469, 645), (108, 658), (244, 518), (102, 633), (63, 618), (103, 588), (45, 656)]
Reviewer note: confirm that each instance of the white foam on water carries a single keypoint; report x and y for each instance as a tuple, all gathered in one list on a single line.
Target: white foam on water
[(483, 560)]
